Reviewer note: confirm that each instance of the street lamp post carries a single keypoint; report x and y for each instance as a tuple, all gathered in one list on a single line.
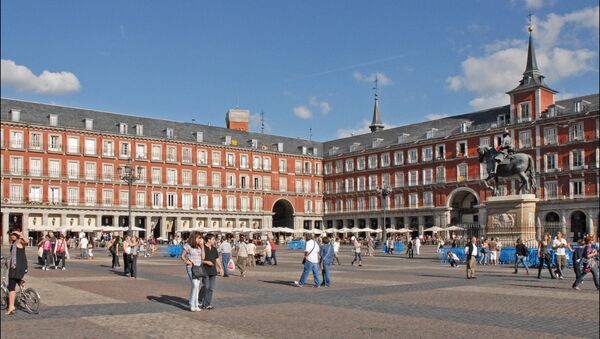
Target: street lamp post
[(130, 175), (385, 192)]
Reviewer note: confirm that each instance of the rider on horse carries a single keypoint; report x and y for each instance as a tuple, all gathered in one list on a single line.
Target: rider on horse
[(505, 150)]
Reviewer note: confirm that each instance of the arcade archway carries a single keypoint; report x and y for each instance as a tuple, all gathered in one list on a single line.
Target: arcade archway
[(283, 214)]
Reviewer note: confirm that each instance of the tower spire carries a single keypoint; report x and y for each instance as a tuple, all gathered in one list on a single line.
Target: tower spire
[(532, 68), (376, 124)]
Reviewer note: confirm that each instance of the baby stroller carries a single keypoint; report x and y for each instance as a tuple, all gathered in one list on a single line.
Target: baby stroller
[(259, 259)]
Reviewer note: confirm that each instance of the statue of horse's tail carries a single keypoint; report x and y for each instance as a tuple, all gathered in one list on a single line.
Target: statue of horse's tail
[(531, 171)]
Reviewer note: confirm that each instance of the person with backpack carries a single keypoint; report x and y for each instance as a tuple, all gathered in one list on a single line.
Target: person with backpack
[(327, 255), (60, 251), (521, 256)]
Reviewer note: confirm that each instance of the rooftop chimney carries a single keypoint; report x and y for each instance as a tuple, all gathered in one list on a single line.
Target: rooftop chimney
[(238, 119)]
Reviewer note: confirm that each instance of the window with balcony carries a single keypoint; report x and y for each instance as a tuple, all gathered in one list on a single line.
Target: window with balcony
[(54, 143), (413, 178), (171, 200), (89, 196), (156, 176), (373, 182), (201, 178), (216, 179), (427, 153), (282, 166), (16, 140), (551, 162), (108, 172), (385, 159), (231, 203), (54, 168), (283, 184), (230, 180), (157, 200), (484, 141), (440, 174), (90, 171), (266, 163), (399, 179), (427, 199), (156, 153), (550, 136), (171, 154), (107, 198), (244, 204), (266, 183), (428, 176), (123, 198), (73, 145), (108, 148), (257, 183), (258, 204), (550, 190), (171, 176), (306, 186), (525, 139), (229, 159), (462, 173), (140, 199), (413, 156), (140, 151), (461, 149), (349, 184), (35, 167), (398, 201), (202, 202), (73, 196), (385, 180), (186, 177), (317, 168), (360, 163), (125, 150), (35, 141), (298, 186), (16, 194), (440, 152), (576, 157), (16, 165), (216, 202), (202, 157), (372, 161), (524, 112), (35, 194), (73, 169), (398, 158), (89, 147), (577, 188), (576, 132), (243, 161), (349, 163), (413, 200), (142, 174)]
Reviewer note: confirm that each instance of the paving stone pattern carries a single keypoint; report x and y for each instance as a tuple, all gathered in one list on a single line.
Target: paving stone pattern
[(389, 297)]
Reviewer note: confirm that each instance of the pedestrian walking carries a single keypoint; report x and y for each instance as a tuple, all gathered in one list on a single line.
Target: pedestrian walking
[(273, 250), (251, 262), (17, 267), (115, 250), (211, 266), (357, 249), (336, 250), (225, 251), (83, 247), (47, 256), (91, 249), (310, 262), (589, 264), (370, 246), (471, 252), (268, 253), (326, 254), (493, 252), (60, 251), (410, 249), (126, 251), (242, 255), (560, 245), (521, 256), (544, 247), (418, 245), (192, 257), (577, 259)]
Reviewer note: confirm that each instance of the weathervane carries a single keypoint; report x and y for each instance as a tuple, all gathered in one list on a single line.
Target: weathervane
[(530, 27), (376, 87), (262, 122)]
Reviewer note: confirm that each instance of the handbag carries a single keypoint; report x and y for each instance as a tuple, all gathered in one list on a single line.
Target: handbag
[(231, 265), (198, 272)]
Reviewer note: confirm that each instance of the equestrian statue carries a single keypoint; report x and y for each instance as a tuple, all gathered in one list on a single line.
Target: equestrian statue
[(504, 162)]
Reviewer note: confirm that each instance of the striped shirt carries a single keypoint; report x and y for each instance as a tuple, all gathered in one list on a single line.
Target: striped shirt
[(194, 254)]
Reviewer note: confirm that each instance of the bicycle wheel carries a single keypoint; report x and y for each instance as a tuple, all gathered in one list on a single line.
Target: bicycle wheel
[(4, 298), (30, 300)]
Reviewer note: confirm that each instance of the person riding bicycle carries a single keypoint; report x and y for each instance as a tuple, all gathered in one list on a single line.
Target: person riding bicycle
[(505, 150), (17, 267)]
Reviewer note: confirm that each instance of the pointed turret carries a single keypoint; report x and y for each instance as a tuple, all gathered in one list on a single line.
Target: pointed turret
[(376, 124)]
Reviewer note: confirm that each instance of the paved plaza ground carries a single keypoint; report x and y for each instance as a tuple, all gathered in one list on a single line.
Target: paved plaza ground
[(389, 297)]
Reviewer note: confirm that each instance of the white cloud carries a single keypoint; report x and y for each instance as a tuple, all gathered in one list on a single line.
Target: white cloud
[(256, 123), (534, 3), (435, 116), (382, 78), (503, 62), (323, 106), (302, 112), (23, 79), (363, 128)]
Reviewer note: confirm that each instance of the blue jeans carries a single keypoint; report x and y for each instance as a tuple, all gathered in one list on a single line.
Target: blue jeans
[(521, 259), (225, 257), (195, 291), (308, 266), (206, 293), (594, 272), (326, 278)]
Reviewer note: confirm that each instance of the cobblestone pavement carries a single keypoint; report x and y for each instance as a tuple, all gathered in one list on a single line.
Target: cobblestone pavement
[(389, 297)]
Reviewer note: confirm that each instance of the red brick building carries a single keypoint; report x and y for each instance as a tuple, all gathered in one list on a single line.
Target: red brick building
[(60, 169)]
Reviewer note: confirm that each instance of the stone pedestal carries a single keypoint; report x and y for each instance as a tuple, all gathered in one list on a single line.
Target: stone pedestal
[(511, 217)]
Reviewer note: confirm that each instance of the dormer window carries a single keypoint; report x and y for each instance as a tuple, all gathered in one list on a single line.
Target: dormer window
[(464, 126), (315, 151), (169, 133), (15, 116), (304, 149), (551, 111), (89, 124), (280, 147), (577, 105), (403, 138), (123, 128), (354, 147), (431, 133), (199, 137), (254, 143), (333, 150), (53, 120), (139, 130), (228, 140), (376, 142)]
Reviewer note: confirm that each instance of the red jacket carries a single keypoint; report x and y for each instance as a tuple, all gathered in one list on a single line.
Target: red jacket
[(273, 246)]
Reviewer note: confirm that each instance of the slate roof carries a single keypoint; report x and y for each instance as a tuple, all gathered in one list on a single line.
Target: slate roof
[(37, 113), (445, 127)]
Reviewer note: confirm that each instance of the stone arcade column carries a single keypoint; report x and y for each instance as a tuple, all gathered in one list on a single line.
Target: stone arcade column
[(5, 226)]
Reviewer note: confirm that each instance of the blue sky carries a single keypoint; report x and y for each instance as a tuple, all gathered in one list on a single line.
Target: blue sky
[(306, 64)]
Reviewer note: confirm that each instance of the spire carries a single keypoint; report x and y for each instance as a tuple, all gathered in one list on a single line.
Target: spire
[(376, 124)]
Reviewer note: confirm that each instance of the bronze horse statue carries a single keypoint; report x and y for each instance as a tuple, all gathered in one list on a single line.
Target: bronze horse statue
[(517, 164)]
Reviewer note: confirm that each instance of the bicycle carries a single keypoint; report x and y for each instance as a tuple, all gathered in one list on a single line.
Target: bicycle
[(26, 299)]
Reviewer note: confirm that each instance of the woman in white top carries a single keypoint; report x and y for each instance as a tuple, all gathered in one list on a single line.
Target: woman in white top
[(357, 246), (192, 256), (336, 250)]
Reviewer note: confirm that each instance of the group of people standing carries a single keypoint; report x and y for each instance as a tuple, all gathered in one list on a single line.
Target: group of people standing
[(318, 258), (129, 248), (53, 251)]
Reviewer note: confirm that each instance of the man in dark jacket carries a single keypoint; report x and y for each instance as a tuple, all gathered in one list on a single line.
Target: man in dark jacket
[(521, 255)]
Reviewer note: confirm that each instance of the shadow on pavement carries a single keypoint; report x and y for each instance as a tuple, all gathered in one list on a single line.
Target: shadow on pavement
[(278, 282), (171, 301)]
